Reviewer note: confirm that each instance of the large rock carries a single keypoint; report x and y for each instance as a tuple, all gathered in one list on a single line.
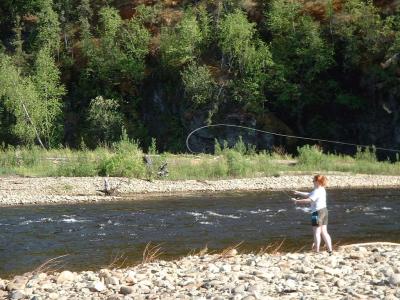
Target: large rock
[(126, 290), (97, 286), (18, 283), (111, 280), (17, 295), (65, 276), (394, 279)]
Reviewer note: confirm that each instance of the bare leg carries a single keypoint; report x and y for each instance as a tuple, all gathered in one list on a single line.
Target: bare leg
[(326, 237), (317, 237)]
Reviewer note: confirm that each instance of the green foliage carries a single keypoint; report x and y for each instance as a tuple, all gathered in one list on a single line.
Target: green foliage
[(34, 101), (311, 155), (46, 79), (123, 165), (319, 69), (249, 55), (79, 166), (15, 157), (362, 31), (153, 147), (21, 99), (127, 162), (180, 44), (237, 163), (120, 51), (48, 35), (367, 154), (19, 57), (299, 50), (105, 119), (148, 14), (205, 24), (198, 83), (126, 159)]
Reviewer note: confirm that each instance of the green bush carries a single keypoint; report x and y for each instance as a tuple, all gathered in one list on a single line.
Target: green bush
[(367, 154), (127, 162), (123, 165), (237, 164), (310, 156), (80, 165)]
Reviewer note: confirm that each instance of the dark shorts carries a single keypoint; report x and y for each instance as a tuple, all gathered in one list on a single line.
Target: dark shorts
[(319, 217)]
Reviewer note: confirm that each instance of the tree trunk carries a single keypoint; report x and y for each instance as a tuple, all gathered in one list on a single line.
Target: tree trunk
[(33, 125)]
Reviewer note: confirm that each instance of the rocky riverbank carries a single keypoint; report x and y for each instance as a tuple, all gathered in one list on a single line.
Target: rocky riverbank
[(364, 271), (25, 190)]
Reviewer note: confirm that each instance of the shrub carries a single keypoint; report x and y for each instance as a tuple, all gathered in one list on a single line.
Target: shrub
[(367, 154), (127, 162), (310, 155), (237, 164), (81, 166)]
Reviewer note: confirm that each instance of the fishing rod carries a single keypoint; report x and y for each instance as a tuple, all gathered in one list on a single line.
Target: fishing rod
[(282, 135)]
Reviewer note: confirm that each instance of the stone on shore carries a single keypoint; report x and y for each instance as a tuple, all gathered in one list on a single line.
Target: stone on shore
[(65, 276)]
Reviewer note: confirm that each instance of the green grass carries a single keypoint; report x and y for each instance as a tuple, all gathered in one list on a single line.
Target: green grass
[(125, 159)]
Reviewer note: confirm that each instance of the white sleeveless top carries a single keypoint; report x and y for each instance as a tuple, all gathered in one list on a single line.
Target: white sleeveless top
[(318, 199)]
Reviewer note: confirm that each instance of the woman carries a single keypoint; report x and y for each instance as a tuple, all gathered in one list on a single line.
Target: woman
[(319, 212)]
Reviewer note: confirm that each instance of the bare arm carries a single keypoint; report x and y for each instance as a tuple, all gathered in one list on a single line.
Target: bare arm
[(307, 200), (305, 194)]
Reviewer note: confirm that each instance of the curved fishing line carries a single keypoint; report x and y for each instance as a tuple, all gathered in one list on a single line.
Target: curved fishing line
[(283, 135)]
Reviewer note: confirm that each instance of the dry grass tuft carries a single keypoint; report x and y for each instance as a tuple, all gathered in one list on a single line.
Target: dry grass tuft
[(301, 249), (230, 251), (201, 252), (272, 248), (151, 253), (118, 260), (51, 265)]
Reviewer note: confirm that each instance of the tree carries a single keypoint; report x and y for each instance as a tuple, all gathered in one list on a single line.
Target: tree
[(248, 59), (46, 78), (361, 34), (48, 30), (85, 14), (120, 50), (198, 84), (34, 101), (301, 55), (21, 99), (19, 54), (105, 119), (180, 44)]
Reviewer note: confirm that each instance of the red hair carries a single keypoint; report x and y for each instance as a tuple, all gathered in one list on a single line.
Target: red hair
[(321, 180)]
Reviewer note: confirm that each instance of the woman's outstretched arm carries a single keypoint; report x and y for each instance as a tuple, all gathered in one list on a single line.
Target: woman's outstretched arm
[(305, 194), (307, 200)]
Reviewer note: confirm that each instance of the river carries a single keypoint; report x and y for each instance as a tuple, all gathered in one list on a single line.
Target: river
[(93, 235)]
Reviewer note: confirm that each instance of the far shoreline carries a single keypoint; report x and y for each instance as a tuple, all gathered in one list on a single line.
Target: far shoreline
[(16, 191)]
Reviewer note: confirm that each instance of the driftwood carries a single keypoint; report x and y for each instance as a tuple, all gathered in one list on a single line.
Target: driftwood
[(163, 171), (108, 190)]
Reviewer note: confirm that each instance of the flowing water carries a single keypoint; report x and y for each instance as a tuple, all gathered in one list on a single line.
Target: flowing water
[(94, 235)]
